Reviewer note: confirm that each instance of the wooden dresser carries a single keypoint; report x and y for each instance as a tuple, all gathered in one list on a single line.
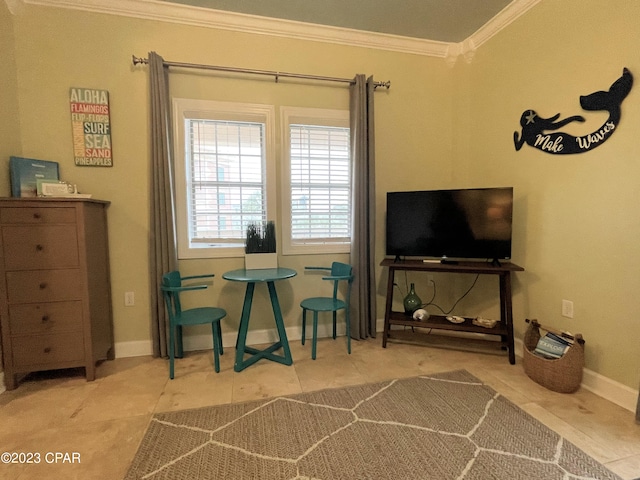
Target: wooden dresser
[(55, 294)]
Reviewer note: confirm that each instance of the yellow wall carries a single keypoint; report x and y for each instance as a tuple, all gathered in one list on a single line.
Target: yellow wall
[(9, 126), (57, 49), (9, 120), (436, 127), (576, 216)]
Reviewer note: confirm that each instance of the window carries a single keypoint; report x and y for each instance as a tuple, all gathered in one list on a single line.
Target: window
[(317, 179), (224, 174)]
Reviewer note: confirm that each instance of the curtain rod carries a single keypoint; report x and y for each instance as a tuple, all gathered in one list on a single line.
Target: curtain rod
[(277, 75)]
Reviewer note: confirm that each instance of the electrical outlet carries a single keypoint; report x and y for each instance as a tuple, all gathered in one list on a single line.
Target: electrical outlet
[(129, 299), (567, 308)]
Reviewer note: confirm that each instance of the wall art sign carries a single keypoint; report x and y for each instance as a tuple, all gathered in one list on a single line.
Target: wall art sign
[(91, 127), (535, 129)]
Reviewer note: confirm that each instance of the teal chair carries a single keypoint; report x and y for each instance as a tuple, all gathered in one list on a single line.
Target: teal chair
[(339, 272), (171, 289)]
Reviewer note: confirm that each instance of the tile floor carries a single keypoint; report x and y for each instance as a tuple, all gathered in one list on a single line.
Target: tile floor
[(103, 421)]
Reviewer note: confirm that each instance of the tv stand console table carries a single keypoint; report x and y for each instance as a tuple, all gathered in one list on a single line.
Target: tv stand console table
[(504, 328)]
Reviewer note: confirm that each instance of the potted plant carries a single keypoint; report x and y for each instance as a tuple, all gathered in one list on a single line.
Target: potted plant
[(260, 246)]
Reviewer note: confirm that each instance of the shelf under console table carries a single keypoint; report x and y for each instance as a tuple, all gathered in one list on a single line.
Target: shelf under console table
[(504, 328)]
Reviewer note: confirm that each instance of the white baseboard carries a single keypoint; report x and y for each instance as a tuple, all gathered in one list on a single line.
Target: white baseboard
[(133, 349), (625, 397), (622, 395), (205, 341)]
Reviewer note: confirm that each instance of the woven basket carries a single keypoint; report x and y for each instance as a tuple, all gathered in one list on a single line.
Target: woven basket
[(564, 374)]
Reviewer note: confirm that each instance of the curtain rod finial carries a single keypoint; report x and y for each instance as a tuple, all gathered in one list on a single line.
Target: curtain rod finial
[(138, 60)]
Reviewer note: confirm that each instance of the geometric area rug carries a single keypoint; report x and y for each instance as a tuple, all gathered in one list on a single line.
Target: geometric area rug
[(441, 426)]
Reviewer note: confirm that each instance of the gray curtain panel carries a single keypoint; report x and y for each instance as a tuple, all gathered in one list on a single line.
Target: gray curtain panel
[(363, 307), (163, 254), (162, 231)]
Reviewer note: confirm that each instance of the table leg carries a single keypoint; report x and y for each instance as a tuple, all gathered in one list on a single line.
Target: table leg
[(507, 313), (244, 327), (282, 333), (241, 347), (387, 311)]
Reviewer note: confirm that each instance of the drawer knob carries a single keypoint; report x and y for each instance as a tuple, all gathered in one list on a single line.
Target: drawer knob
[(47, 350), (39, 248), (43, 285), (45, 318), (36, 216)]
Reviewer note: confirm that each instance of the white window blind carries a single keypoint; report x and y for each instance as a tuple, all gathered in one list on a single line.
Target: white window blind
[(320, 182), (225, 179)]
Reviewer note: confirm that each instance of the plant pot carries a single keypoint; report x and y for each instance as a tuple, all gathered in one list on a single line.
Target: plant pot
[(256, 261)]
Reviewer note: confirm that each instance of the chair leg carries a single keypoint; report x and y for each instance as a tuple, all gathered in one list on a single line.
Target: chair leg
[(215, 330), (171, 349), (304, 324), (335, 317), (219, 338), (348, 322), (180, 352), (315, 334)]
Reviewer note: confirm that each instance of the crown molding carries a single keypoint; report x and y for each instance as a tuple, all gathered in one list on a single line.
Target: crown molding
[(506, 17), (240, 22)]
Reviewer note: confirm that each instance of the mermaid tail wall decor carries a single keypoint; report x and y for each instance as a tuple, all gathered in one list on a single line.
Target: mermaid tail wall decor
[(535, 128)]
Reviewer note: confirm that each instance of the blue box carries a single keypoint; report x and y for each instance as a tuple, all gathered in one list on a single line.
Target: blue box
[(25, 173)]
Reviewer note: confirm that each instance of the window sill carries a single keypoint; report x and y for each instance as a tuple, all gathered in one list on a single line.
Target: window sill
[(205, 250), (315, 249)]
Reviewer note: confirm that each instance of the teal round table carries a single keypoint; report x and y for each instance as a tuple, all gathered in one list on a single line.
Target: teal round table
[(251, 277)]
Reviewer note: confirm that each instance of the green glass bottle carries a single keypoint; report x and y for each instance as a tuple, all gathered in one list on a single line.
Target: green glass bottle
[(412, 301)]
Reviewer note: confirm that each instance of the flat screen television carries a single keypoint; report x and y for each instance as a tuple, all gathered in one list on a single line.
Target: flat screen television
[(470, 223)]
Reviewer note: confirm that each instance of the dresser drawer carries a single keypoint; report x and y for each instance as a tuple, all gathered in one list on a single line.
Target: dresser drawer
[(37, 215), (39, 318), (38, 286), (40, 247), (47, 349)]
